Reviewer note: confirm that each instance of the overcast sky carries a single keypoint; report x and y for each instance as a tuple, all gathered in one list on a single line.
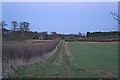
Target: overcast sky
[(62, 17)]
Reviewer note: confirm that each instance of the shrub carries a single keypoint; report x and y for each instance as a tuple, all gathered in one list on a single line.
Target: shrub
[(14, 53)]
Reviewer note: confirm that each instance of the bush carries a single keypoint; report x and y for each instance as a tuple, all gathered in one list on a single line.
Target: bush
[(14, 53)]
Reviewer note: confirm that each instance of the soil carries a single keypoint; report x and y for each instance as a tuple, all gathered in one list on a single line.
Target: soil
[(96, 42)]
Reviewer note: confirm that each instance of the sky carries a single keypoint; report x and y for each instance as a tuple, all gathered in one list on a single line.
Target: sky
[(62, 17)]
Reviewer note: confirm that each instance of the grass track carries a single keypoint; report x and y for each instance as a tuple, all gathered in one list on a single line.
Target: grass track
[(54, 67)]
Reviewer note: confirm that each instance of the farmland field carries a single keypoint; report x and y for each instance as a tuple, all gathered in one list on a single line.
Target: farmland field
[(29, 41), (85, 60), (37, 41), (94, 60)]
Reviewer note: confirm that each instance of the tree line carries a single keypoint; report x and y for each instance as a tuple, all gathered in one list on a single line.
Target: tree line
[(22, 26), (19, 31), (97, 34)]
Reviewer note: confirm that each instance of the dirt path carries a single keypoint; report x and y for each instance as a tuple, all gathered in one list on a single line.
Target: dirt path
[(66, 59), (95, 42)]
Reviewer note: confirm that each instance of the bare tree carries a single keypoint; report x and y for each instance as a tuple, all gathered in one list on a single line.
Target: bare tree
[(54, 33), (83, 34), (24, 26), (15, 24), (80, 34), (3, 24), (116, 16)]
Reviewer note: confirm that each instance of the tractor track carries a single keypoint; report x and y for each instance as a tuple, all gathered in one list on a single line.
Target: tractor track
[(55, 58), (67, 61)]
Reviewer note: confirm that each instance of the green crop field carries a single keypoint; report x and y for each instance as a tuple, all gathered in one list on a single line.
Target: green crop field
[(94, 60)]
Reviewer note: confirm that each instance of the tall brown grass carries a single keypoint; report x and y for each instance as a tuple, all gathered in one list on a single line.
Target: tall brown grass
[(18, 54)]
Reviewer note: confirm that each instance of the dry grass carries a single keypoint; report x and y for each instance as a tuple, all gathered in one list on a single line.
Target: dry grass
[(18, 54)]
